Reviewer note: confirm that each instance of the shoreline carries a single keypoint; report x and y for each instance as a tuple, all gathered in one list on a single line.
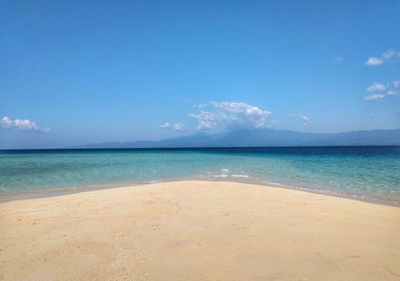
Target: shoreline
[(198, 230), (6, 197)]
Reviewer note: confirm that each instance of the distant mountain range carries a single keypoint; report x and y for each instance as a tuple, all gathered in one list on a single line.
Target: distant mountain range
[(263, 138)]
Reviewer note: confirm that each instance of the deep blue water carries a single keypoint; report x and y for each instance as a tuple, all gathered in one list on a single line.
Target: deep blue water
[(362, 171)]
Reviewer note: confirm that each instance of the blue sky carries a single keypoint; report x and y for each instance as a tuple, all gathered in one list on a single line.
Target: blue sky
[(76, 72)]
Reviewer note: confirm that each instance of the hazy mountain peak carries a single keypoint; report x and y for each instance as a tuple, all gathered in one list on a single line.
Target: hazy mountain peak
[(264, 137)]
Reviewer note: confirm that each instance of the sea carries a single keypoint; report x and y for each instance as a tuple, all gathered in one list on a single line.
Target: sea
[(369, 173)]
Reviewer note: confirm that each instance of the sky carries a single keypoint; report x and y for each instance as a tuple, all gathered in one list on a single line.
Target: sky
[(79, 72)]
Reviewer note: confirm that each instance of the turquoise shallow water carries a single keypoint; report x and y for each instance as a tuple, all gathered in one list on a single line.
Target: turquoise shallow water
[(365, 172)]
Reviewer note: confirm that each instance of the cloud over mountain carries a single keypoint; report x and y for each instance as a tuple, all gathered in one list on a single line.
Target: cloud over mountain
[(303, 118), (177, 127), (230, 115)]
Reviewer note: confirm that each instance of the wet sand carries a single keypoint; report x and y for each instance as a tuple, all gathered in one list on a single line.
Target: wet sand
[(195, 230)]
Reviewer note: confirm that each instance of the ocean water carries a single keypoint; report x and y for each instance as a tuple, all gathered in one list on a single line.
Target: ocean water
[(364, 172)]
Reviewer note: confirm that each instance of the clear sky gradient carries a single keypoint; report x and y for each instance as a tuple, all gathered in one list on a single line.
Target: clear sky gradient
[(77, 72)]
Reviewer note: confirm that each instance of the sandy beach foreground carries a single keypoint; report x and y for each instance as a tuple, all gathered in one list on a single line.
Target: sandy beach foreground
[(194, 230)]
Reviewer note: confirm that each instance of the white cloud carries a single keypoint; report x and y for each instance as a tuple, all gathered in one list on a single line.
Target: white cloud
[(304, 119), (25, 124), (376, 87), (179, 127), (388, 56), (206, 120), (374, 61), (22, 124), (166, 125), (230, 115), (392, 93), (201, 105), (6, 122), (374, 97), (390, 88)]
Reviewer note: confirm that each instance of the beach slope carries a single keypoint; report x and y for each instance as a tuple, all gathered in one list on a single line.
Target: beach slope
[(194, 230)]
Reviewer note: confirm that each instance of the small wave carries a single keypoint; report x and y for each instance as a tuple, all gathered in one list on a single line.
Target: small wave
[(221, 176), (240, 176), (225, 170), (278, 184)]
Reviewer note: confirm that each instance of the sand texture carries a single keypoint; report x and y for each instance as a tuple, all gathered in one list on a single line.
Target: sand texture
[(193, 230)]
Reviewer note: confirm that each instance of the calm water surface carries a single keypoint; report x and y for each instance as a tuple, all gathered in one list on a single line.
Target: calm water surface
[(367, 172)]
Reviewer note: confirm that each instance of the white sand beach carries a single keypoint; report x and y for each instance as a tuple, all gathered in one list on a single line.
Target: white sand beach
[(198, 230)]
